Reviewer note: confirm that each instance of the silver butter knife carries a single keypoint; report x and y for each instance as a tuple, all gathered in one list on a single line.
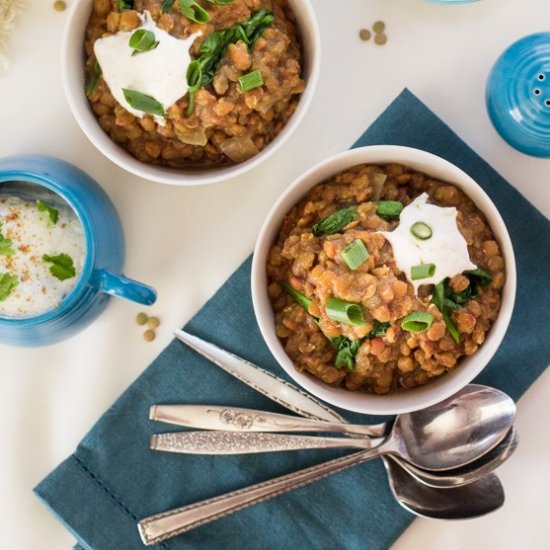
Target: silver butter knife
[(234, 419), (268, 384)]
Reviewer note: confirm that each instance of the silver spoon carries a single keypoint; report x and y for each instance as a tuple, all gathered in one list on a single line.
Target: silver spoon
[(304, 404), (234, 419), (425, 424), (447, 435), (212, 417), (450, 479), (468, 501)]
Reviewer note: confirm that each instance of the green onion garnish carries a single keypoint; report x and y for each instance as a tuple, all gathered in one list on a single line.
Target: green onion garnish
[(335, 222), (166, 5), (193, 11), (355, 254), (142, 41), (389, 209), (221, 2), (417, 321), (251, 81), (421, 230), (422, 271), (142, 102), (345, 312), (297, 296)]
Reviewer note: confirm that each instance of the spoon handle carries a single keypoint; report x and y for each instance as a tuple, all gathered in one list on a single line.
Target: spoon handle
[(233, 419), (157, 528), (235, 443)]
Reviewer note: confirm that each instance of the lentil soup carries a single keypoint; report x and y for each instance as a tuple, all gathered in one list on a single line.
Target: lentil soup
[(193, 94), (382, 278)]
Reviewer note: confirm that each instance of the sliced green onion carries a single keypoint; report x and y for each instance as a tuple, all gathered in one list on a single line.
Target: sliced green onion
[(142, 41), (251, 81), (421, 231), (417, 321), (142, 102), (335, 222), (422, 271), (389, 209), (221, 2), (194, 78), (193, 11), (355, 254), (297, 296), (345, 312)]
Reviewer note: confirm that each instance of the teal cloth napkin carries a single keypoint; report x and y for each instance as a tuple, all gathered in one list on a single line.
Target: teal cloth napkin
[(113, 479)]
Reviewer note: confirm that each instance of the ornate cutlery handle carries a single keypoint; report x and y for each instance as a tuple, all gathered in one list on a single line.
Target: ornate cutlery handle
[(233, 419), (231, 443), (157, 528)]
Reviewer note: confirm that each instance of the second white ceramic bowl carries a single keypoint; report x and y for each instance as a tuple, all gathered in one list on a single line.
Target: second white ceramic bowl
[(444, 386), (73, 80)]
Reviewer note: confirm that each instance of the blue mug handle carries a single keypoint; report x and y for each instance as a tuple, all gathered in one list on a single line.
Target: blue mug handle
[(122, 287)]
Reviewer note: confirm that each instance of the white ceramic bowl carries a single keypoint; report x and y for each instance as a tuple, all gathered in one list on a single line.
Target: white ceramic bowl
[(73, 81), (440, 388)]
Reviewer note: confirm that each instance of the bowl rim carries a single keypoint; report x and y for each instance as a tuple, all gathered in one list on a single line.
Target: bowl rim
[(81, 110), (437, 390)]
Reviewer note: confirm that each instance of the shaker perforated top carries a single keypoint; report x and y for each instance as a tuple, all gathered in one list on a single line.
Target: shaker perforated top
[(518, 95)]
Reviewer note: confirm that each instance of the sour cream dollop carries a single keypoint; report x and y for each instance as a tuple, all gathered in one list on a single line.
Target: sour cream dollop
[(160, 73), (446, 248)]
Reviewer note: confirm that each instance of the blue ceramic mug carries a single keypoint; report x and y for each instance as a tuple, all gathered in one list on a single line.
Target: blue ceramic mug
[(35, 176)]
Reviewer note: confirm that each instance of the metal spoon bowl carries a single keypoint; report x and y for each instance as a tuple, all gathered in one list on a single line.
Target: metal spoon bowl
[(458, 477), (468, 501)]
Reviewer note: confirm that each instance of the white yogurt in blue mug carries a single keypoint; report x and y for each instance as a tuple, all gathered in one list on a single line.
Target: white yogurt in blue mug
[(61, 251)]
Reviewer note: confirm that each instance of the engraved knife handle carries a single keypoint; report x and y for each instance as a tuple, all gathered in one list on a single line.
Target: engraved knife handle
[(160, 527), (233, 419), (232, 443)]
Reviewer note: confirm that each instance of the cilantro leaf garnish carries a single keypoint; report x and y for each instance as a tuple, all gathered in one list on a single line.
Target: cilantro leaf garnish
[(6, 248), (7, 283), (62, 266), (52, 212)]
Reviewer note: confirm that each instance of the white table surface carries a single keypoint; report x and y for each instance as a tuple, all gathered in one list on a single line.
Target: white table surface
[(52, 396)]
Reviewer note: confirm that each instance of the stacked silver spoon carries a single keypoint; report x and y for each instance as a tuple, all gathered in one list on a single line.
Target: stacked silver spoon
[(439, 460)]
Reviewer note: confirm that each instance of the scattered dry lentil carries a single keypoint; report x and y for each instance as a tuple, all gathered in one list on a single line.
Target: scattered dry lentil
[(380, 39), (379, 27), (364, 34), (153, 322), (59, 5), (141, 318), (149, 335)]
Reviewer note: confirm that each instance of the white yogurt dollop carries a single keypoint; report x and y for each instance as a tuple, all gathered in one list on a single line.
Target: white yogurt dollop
[(160, 73), (446, 248), (32, 235)]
